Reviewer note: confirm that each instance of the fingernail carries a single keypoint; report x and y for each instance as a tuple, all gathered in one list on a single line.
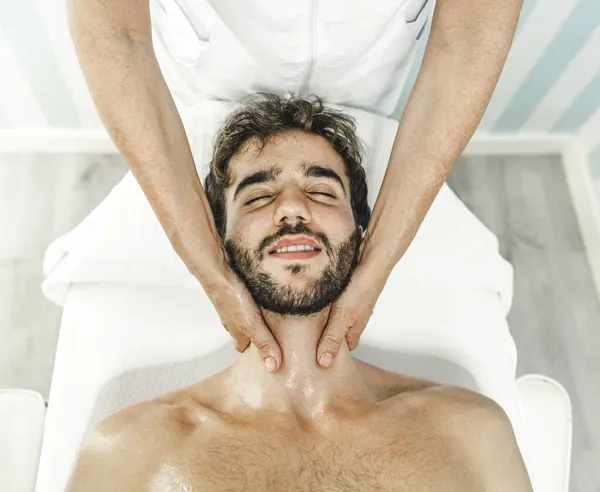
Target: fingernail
[(326, 359), (271, 363)]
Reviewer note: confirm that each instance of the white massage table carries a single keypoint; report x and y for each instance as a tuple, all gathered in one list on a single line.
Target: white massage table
[(120, 344)]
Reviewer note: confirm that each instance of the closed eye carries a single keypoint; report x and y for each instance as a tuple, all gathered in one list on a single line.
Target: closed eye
[(257, 198), (269, 196)]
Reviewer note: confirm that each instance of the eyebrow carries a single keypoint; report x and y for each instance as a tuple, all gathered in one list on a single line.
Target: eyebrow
[(311, 170)]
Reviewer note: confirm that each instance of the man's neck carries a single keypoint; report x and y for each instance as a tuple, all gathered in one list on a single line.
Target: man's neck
[(300, 386)]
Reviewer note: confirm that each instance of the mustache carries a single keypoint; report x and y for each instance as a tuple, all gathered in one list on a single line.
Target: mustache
[(299, 229)]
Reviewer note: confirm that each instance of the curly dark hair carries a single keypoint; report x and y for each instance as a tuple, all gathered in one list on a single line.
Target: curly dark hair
[(264, 116)]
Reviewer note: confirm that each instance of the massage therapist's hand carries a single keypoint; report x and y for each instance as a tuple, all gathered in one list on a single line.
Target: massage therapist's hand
[(350, 313), (241, 316)]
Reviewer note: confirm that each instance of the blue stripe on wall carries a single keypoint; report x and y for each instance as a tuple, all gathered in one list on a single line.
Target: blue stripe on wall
[(594, 161), (562, 49), (32, 48), (526, 10), (528, 6), (413, 73), (582, 108)]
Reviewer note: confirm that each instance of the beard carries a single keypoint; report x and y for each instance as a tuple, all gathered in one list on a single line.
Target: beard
[(287, 300)]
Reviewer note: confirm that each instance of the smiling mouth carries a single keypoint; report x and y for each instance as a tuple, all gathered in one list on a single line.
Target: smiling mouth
[(296, 255)]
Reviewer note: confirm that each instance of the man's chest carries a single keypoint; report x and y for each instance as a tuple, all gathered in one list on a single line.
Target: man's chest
[(345, 461)]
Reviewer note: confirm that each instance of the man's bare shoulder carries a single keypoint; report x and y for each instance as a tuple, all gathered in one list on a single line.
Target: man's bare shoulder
[(165, 419), (430, 395), (477, 427), (138, 416), (444, 400), (129, 446)]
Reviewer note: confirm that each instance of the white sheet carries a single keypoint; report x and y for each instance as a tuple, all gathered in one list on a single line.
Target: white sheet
[(120, 344)]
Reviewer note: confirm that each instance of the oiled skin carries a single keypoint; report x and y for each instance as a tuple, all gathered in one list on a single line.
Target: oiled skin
[(418, 435)]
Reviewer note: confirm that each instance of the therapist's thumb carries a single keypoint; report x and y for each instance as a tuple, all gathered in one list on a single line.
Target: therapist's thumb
[(255, 328), (267, 347), (331, 341)]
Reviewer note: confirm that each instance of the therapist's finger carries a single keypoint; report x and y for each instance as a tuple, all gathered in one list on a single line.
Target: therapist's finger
[(349, 314), (341, 320), (267, 346)]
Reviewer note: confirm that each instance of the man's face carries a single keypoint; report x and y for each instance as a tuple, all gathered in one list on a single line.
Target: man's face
[(301, 192)]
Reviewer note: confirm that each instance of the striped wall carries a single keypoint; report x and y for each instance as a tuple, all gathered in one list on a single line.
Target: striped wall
[(550, 84), (41, 84), (551, 80)]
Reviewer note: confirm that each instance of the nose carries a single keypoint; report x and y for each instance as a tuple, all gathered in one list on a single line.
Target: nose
[(292, 207)]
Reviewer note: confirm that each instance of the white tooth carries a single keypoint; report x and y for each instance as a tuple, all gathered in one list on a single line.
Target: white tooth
[(291, 249)]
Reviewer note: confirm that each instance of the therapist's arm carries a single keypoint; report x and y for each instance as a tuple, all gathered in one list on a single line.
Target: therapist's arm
[(465, 54), (114, 45)]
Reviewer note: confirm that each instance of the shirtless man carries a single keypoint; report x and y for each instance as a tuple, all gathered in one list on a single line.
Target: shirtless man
[(351, 427)]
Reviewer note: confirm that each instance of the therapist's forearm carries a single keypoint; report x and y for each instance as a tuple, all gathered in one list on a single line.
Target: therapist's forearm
[(465, 54), (113, 43)]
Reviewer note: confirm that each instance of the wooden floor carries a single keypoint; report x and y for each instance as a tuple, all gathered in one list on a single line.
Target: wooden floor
[(41, 198), (555, 318)]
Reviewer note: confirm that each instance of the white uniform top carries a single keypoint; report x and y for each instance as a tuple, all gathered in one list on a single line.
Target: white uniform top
[(350, 52)]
